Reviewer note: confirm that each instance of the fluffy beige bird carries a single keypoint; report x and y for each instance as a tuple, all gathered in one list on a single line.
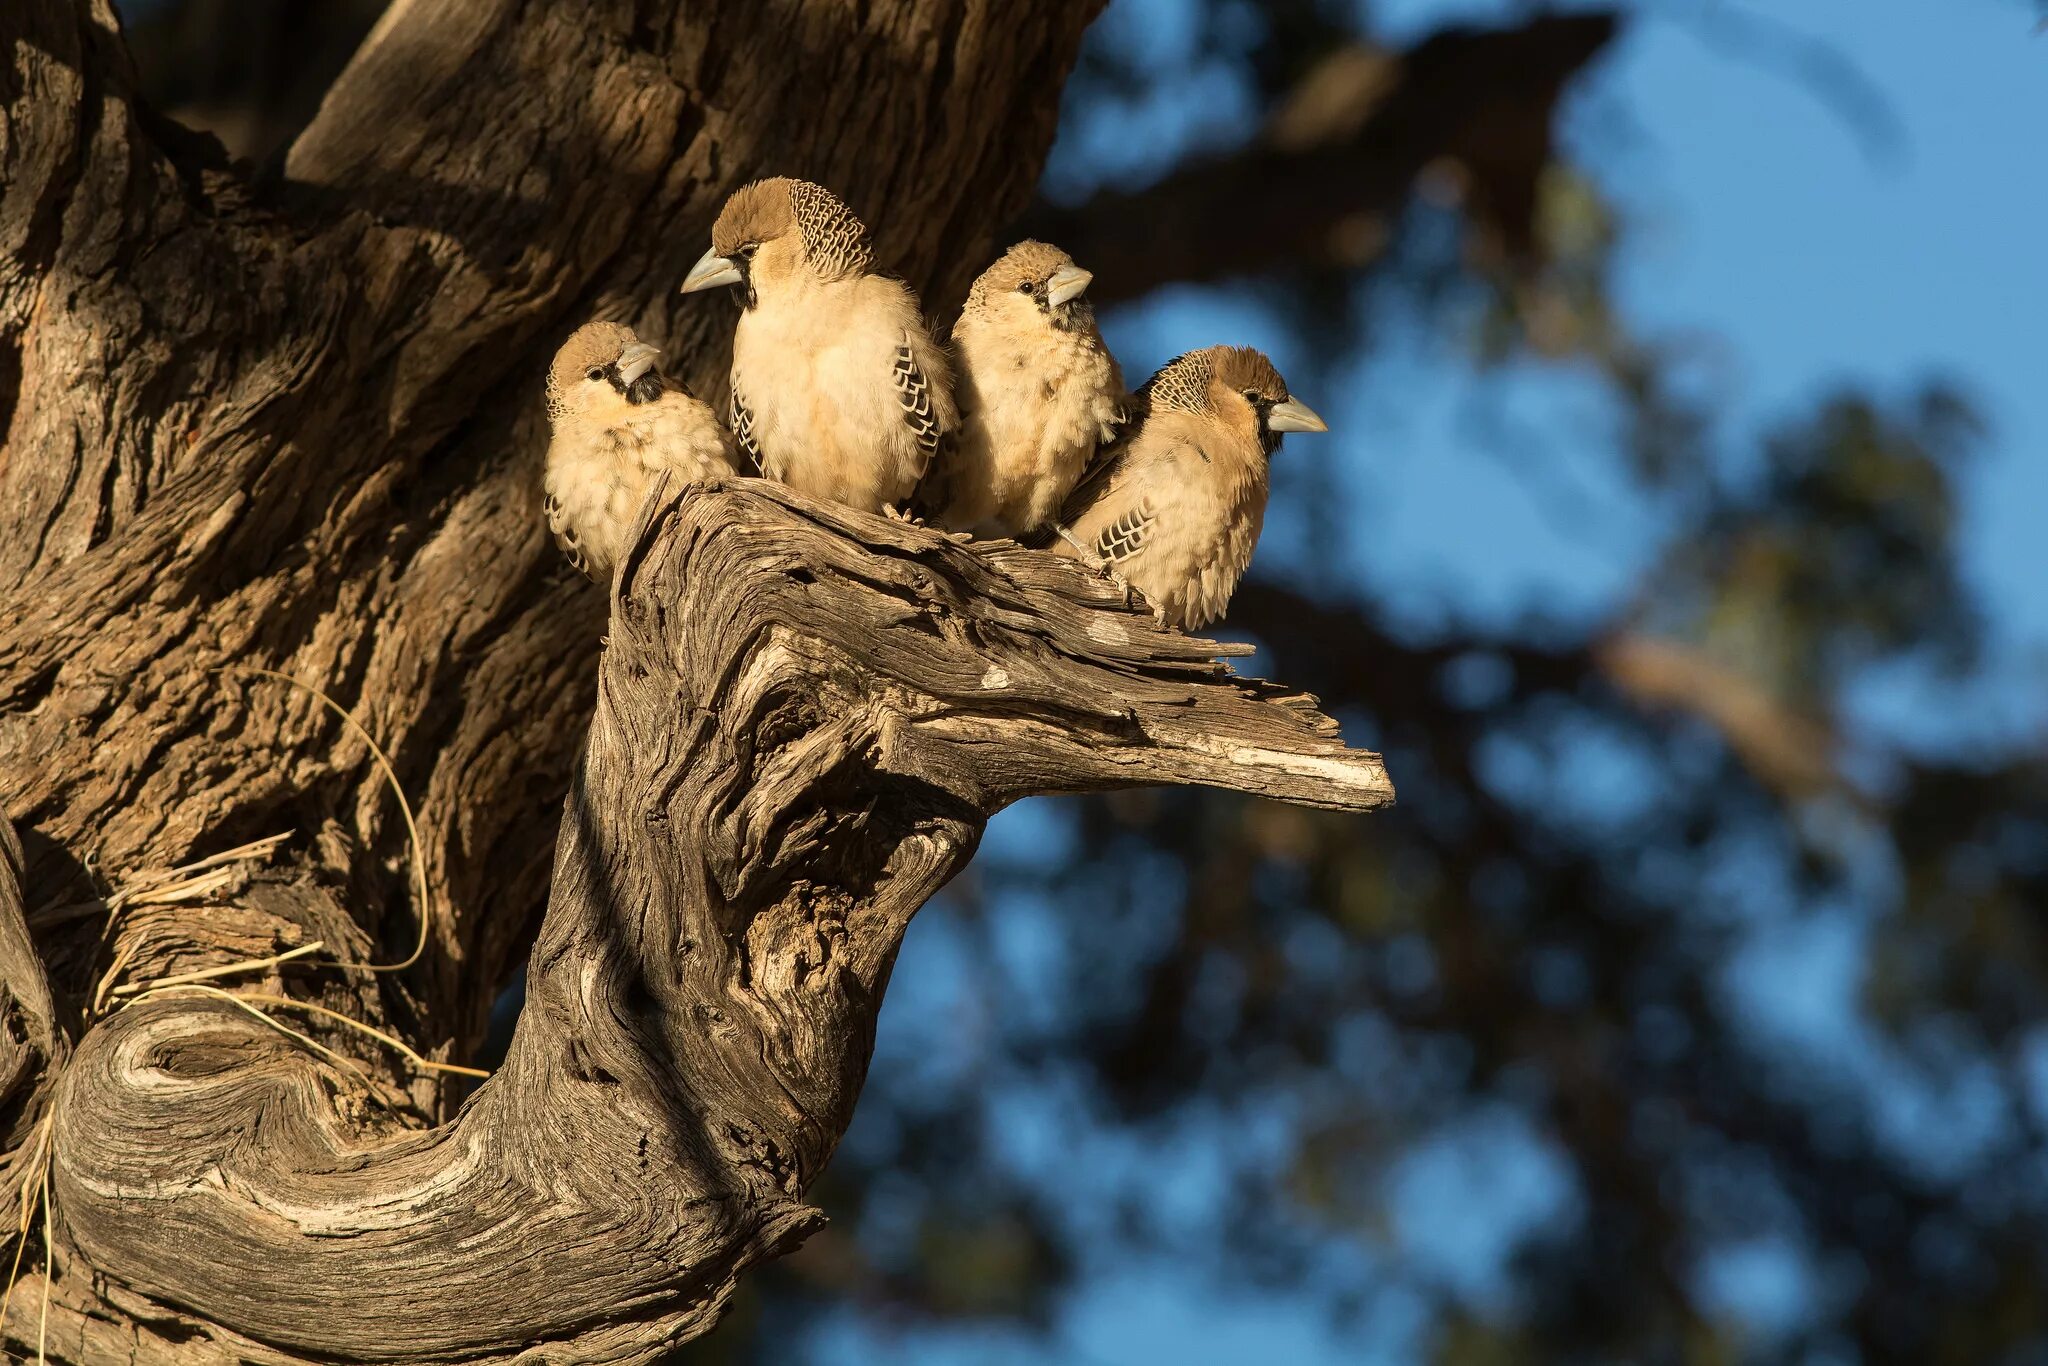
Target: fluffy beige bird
[(1038, 393), (617, 423), (838, 389), (1175, 510)]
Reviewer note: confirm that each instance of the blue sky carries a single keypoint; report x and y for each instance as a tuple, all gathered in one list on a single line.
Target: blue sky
[(1760, 216)]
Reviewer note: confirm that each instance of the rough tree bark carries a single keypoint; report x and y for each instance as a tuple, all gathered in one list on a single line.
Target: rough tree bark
[(292, 426)]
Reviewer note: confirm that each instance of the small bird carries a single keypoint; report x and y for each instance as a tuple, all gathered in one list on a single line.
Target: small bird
[(618, 422), (838, 389), (1038, 394), (1175, 509)]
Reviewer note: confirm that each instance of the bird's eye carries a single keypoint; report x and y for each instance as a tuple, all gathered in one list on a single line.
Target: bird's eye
[(1028, 287), (1251, 396), (746, 253), (594, 372)]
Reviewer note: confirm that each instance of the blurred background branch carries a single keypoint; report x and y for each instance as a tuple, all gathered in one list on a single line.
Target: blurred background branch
[(1330, 172)]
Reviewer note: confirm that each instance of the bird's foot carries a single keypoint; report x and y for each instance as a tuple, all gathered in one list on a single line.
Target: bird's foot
[(1087, 556), (1105, 570)]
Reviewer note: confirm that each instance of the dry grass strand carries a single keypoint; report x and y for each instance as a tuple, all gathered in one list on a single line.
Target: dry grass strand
[(35, 1177), (422, 906), (244, 1001), (224, 970)]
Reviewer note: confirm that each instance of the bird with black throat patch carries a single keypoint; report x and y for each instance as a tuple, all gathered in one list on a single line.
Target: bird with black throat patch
[(1039, 393), (838, 389), (1175, 510), (617, 423)]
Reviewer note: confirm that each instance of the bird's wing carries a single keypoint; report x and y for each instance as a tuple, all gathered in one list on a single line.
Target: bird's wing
[(743, 427), (1116, 488), (1133, 488), (914, 393), (1127, 534), (565, 535), (934, 492), (1094, 484)]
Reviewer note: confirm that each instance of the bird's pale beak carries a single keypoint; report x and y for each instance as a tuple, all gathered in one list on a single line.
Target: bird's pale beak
[(711, 271), (1295, 416), (635, 361), (1066, 283)]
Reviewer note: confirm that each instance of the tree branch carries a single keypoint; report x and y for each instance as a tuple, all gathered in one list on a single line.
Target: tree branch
[(1791, 753), (805, 716), (1343, 649), (1334, 166)]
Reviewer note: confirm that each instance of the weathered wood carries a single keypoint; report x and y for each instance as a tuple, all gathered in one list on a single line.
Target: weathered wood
[(804, 718), (34, 1045)]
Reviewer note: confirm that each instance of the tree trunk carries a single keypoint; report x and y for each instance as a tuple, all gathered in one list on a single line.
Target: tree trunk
[(293, 425)]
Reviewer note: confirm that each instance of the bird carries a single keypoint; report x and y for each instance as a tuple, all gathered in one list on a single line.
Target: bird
[(1038, 391), (1175, 509), (616, 423), (838, 389)]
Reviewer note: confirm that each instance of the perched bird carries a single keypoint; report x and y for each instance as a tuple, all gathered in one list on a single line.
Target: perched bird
[(617, 423), (1038, 393), (838, 389), (1174, 511)]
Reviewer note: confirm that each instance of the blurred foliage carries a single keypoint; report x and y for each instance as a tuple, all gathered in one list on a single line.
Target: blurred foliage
[(1544, 960), (1548, 993)]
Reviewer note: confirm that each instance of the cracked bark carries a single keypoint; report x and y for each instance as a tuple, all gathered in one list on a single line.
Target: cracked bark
[(293, 425)]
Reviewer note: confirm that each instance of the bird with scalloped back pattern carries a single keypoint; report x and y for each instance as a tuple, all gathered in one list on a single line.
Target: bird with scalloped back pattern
[(838, 389), (1176, 509)]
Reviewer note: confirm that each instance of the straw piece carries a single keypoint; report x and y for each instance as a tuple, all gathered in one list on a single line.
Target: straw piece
[(224, 970), (423, 907)]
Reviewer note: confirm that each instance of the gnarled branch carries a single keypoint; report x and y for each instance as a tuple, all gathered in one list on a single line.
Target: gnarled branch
[(804, 718)]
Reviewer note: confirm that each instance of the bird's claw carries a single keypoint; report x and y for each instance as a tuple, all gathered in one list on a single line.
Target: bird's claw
[(1104, 569)]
